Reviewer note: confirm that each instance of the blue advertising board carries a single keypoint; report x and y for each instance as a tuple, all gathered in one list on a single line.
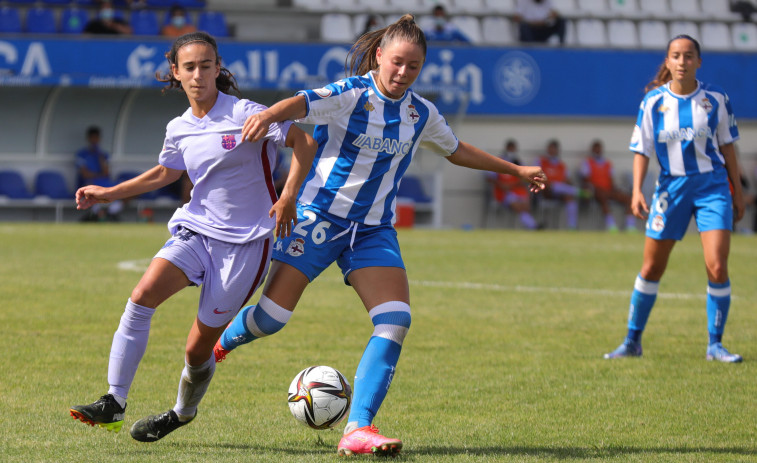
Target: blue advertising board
[(488, 81)]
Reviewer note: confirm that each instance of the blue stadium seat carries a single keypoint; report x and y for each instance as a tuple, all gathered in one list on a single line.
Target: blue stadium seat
[(73, 20), (40, 20), (10, 20), (212, 22), (411, 188), (51, 183), (145, 22), (12, 185)]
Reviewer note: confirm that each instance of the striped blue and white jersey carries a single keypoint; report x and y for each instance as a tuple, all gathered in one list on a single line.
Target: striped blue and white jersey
[(685, 131), (365, 144)]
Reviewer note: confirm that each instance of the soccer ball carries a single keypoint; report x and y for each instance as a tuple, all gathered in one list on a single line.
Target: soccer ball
[(319, 397)]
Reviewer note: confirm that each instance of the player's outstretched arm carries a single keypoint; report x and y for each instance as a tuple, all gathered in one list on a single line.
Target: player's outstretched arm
[(469, 156), (256, 126), (304, 149), (157, 177)]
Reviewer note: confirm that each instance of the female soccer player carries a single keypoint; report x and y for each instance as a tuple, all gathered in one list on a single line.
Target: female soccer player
[(689, 125), (368, 127), (222, 238)]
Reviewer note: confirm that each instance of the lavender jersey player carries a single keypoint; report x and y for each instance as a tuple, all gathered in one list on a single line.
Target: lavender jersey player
[(224, 171)]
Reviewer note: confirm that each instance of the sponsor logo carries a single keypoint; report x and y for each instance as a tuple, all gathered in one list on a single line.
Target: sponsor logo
[(386, 145), (412, 114), (517, 78), (685, 133), (296, 247), (228, 141), (658, 223), (220, 312), (278, 246), (663, 109), (368, 106)]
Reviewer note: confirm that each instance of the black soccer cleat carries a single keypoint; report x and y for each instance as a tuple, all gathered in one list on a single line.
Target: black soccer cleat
[(156, 427), (106, 413)]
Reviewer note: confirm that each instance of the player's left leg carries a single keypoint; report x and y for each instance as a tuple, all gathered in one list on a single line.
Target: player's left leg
[(716, 246), (385, 293)]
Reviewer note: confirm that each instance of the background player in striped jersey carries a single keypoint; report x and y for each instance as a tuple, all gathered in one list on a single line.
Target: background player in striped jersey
[(691, 128), (222, 238), (368, 128)]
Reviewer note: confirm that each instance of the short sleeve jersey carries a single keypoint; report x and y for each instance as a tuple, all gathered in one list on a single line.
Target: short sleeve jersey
[(365, 144), (233, 181), (685, 131)]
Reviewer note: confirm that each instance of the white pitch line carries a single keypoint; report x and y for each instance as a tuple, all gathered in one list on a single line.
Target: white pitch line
[(140, 265)]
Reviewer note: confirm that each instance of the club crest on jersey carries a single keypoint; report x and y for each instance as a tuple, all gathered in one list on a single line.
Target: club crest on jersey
[(296, 247), (706, 104), (412, 114), (228, 141), (368, 106)]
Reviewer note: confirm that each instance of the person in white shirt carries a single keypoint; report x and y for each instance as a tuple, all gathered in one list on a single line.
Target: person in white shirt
[(538, 20), (222, 238)]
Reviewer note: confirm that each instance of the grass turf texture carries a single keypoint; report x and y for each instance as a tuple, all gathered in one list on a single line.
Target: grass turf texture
[(503, 361)]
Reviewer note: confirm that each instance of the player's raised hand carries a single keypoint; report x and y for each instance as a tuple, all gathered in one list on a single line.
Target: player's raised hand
[(255, 127), (89, 195)]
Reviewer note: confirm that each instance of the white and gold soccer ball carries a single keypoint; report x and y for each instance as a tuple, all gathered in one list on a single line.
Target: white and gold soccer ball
[(320, 397)]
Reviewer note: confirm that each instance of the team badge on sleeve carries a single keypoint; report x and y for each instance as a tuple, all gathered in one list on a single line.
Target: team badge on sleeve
[(322, 92), (228, 141)]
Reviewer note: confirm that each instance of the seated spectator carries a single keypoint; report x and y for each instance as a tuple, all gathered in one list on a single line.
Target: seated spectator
[(597, 177), (538, 21), (444, 30), (177, 24), (106, 21), (559, 186), (512, 192), (93, 168)]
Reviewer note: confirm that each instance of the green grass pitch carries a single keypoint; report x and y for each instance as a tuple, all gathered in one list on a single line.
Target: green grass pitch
[(503, 361)]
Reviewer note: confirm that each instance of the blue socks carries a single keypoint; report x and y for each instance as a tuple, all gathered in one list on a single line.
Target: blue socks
[(718, 303), (642, 300), (374, 374), (255, 321)]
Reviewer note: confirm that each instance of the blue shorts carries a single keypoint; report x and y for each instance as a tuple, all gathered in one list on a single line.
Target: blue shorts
[(706, 196), (320, 238)]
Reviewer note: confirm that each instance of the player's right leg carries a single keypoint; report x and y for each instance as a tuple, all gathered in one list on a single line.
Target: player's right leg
[(160, 281)]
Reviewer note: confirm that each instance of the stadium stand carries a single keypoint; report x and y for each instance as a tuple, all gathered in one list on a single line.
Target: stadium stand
[(52, 183), (73, 19), (12, 185), (10, 20), (144, 22), (41, 20)]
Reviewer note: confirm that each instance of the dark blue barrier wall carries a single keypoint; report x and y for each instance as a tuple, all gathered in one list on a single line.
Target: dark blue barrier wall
[(492, 81)]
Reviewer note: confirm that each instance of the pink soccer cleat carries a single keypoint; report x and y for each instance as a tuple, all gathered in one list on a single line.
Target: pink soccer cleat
[(368, 440)]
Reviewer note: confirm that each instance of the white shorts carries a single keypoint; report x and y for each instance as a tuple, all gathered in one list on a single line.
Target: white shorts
[(229, 273)]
